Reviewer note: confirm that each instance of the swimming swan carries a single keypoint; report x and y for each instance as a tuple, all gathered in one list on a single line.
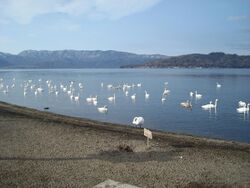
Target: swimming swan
[(146, 94), (241, 104), (166, 92), (243, 109), (197, 96), (133, 97), (91, 99), (218, 85), (210, 105), (103, 109), (191, 94), (77, 97), (111, 99), (186, 104)]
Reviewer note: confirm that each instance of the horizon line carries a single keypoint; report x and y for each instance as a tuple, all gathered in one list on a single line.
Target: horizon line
[(127, 52)]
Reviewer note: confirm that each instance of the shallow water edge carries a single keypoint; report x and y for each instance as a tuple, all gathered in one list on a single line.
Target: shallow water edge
[(173, 138)]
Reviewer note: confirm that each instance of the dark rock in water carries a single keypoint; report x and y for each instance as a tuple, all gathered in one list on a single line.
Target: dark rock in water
[(46, 108)]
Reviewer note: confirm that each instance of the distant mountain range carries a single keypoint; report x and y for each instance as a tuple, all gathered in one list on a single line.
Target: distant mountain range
[(212, 60), (115, 59), (74, 59)]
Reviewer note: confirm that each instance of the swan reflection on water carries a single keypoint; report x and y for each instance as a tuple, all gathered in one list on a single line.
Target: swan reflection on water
[(244, 116)]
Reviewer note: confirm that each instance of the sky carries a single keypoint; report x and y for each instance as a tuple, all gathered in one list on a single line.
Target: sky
[(169, 27)]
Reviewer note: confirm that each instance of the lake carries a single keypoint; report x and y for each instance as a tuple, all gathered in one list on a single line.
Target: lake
[(224, 122)]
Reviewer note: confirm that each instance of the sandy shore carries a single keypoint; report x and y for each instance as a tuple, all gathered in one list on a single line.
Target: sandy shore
[(42, 149)]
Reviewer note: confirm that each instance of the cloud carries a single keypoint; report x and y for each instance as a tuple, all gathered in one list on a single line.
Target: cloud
[(63, 26), (23, 11), (236, 18)]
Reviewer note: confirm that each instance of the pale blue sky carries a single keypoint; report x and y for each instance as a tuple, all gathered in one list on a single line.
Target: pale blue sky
[(170, 27)]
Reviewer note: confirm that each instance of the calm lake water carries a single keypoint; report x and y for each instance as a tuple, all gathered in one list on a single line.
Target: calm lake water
[(224, 122)]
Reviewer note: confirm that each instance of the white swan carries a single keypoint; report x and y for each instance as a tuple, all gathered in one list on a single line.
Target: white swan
[(186, 104), (133, 97), (89, 99), (241, 104), (191, 94), (243, 109), (92, 99), (77, 97), (65, 89), (197, 96), (109, 86), (103, 109), (80, 85), (218, 85), (138, 121), (40, 89), (111, 99), (163, 99), (166, 91), (126, 93), (210, 105), (146, 94)]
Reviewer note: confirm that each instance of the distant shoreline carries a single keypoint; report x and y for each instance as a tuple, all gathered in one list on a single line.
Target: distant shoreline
[(118, 59), (128, 68)]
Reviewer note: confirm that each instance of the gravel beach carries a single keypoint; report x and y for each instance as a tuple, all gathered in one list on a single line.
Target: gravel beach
[(42, 149)]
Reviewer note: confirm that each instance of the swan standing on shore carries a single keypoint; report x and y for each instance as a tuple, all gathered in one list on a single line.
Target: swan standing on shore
[(210, 105), (138, 121)]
